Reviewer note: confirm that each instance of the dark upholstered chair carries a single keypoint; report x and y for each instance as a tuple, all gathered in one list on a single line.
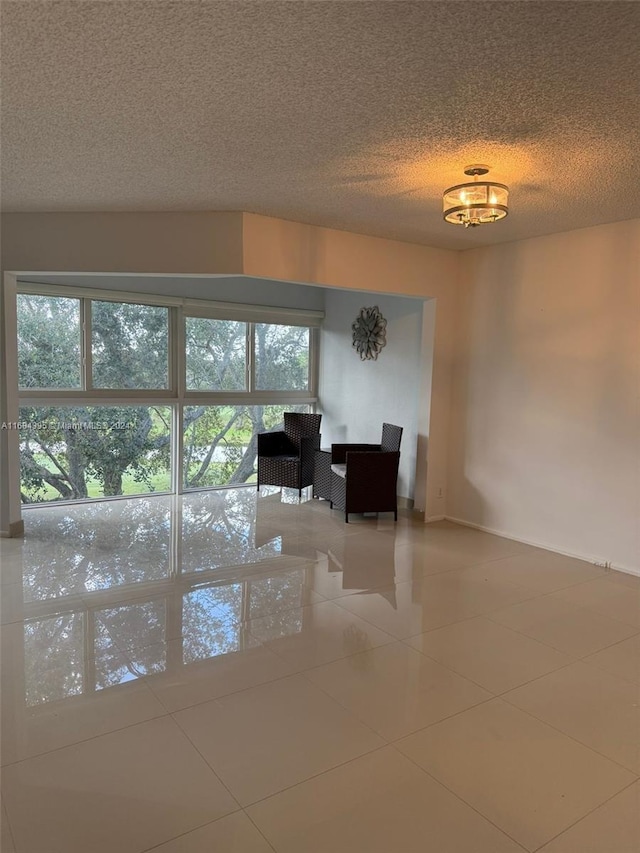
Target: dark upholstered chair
[(364, 477), (285, 458)]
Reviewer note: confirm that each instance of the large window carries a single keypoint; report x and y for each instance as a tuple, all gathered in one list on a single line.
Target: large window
[(119, 397)]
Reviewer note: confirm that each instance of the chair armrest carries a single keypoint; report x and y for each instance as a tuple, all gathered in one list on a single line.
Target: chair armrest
[(339, 451), (273, 443)]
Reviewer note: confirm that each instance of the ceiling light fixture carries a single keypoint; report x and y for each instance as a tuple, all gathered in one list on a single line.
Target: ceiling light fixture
[(477, 202)]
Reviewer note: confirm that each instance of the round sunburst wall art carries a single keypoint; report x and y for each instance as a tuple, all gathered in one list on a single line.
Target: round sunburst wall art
[(369, 333)]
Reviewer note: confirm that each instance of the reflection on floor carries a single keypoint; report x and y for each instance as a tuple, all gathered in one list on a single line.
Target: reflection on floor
[(240, 672)]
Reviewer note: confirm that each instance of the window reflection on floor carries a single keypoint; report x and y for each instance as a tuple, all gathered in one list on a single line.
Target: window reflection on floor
[(211, 622), (117, 591), (60, 673)]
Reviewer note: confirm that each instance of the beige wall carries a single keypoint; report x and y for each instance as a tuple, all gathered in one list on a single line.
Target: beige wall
[(545, 443), (123, 242)]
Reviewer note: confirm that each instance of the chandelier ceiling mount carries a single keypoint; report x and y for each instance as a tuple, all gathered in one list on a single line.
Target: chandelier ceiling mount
[(476, 202)]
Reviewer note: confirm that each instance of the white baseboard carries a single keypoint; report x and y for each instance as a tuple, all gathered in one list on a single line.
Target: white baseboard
[(435, 518), (405, 503), (594, 559), (16, 530)]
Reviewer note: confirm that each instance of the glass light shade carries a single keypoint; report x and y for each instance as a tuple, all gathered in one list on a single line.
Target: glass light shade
[(475, 203)]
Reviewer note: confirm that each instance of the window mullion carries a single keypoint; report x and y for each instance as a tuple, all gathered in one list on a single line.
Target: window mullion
[(87, 353), (251, 357), (177, 448), (314, 353)]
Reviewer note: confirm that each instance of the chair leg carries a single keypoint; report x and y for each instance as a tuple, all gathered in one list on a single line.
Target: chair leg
[(346, 518), (299, 493), (330, 504)]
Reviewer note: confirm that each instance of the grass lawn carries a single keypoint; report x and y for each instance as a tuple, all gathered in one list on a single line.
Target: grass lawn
[(160, 482)]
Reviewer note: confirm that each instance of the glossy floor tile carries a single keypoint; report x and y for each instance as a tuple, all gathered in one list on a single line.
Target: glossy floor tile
[(408, 608), (611, 828), (395, 690), (621, 659), (35, 730), (595, 707), (262, 740), (123, 791), (244, 672), (193, 681), (309, 636), (542, 571), (376, 804), (524, 776), (232, 834), (488, 654), (577, 631), (605, 596)]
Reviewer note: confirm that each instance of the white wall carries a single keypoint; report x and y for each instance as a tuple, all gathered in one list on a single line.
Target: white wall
[(545, 440), (356, 396)]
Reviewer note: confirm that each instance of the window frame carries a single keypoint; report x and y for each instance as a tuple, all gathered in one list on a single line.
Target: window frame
[(176, 395)]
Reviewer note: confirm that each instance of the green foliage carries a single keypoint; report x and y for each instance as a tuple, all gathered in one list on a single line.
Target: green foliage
[(74, 452), (64, 447), (129, 345), (282, 357), (48, 342), (216, 354)]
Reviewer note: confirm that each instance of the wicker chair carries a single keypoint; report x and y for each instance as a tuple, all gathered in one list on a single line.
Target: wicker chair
[(364, 477), (285, 458)]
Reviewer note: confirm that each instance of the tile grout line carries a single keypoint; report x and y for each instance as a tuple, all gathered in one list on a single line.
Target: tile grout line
[(87, 739), (584, 817), (223, 695), (563, 651), (457, 796), (313, 776), (222, 782), (11, 834), (503, 697), (245, 812), (477, 683), (415, 731), (188, 831), (316, 775)]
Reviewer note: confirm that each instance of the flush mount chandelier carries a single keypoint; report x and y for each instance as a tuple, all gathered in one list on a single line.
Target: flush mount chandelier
[(476, 202)]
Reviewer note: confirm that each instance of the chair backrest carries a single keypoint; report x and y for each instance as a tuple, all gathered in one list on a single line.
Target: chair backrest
[(297, 425), (391, 437)]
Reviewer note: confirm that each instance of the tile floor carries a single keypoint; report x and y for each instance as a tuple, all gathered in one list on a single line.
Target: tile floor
[(240, 673)]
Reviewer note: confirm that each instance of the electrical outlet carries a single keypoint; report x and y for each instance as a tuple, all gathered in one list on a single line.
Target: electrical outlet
[(440, 493), (606, 566)]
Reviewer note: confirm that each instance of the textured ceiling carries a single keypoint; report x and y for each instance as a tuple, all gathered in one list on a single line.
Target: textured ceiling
[(354, 115)]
